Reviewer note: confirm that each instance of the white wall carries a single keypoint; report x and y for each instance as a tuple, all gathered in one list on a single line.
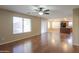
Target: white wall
[(76, 26), (44, 26), (6, 26)]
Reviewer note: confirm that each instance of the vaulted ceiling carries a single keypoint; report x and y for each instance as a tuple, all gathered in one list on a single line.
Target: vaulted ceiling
[(56, 11)]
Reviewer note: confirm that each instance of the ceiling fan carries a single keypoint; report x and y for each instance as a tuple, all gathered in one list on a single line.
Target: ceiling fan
[(42, 11)]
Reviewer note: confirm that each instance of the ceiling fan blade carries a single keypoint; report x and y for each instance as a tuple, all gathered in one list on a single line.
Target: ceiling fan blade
[(46, 10), (39, 9), (46, 13)]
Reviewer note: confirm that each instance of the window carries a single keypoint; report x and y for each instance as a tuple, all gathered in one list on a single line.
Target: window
[(17, 25), (56, 24), (70, 24), (21, 25), (48, 25), (27, 25)]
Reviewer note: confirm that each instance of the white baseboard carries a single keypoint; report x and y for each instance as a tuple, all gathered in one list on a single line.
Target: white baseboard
[(16, 40), (44, 33)]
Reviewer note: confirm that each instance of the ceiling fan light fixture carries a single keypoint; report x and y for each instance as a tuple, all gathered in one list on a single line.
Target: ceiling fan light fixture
[(40, 13)]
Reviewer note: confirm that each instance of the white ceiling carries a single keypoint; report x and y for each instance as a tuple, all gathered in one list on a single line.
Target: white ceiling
[(56, 11)]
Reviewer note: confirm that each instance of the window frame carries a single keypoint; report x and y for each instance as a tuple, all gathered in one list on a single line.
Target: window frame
[(22, 25)]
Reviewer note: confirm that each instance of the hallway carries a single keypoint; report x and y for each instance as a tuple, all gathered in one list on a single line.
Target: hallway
[(52, 42)]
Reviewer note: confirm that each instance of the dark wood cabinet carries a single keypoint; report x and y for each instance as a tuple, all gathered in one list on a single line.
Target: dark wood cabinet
[(66, 30)]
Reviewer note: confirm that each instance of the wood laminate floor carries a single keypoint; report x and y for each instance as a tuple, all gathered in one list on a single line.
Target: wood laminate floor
[(52, 42)]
